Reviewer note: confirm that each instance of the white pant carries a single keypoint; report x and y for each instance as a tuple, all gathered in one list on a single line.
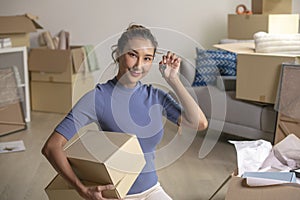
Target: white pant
[(154, 193)]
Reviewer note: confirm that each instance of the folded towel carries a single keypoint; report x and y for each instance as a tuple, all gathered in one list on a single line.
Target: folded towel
[(277, 43)]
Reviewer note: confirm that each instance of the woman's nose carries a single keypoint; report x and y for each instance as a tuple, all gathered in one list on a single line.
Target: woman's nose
[(139, 62)]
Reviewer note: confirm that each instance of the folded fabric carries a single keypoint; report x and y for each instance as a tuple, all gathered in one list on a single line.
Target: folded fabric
[(92, 60), (276, 43)]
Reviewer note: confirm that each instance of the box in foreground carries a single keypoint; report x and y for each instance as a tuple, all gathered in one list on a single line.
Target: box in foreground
[(239, 190), (102, 158)]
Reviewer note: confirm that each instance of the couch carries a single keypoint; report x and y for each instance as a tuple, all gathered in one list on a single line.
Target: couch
[(226, 113)]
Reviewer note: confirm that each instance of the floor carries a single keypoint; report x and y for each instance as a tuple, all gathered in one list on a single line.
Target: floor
[(24, 175)]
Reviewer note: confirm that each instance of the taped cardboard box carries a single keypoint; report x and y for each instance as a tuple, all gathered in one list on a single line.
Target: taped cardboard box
[(59, 97), (56, 65), (17, 28), (271, 6), (257, 73), (243, 27), (103, 158)]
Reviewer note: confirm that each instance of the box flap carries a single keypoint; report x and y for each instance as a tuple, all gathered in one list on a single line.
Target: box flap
[(92, 171), (18, 24), (48, 60), (96, 146), (91, 151), (78, 58)]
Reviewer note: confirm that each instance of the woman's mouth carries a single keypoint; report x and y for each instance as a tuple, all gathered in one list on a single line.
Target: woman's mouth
[(135, 73)]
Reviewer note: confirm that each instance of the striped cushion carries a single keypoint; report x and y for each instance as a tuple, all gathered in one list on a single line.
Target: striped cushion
[(211, 63)]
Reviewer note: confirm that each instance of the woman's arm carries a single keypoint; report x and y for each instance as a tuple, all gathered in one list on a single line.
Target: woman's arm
[(53, 151), (192, 116)]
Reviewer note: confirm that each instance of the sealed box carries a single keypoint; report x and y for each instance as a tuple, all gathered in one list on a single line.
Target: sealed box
[(59, 97), (17, 28), (56, 65), (257, 73), (103, 158), (243, 27), (271, 6)]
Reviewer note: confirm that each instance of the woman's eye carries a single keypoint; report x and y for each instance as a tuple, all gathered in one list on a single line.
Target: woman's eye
[(131, 54), (148, 59)]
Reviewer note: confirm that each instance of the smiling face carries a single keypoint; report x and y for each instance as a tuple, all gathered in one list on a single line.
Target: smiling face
[(135, 61)]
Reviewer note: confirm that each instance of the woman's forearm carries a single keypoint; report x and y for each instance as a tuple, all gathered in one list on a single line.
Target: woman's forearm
[(192, 115), (53, 151)]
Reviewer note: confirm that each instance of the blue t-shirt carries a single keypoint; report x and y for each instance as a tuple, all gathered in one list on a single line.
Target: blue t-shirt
[(137, 110)]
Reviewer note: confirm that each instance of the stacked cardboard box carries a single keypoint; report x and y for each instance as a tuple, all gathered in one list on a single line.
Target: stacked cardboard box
[(17, 28), (258, 74), (100, 158), (271, 6), (58, 78), (243, 27)]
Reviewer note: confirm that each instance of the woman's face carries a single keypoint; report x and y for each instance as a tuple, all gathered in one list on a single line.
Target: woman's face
[(135, 61)]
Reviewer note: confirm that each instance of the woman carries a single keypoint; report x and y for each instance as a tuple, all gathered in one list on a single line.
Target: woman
[(133, 108)]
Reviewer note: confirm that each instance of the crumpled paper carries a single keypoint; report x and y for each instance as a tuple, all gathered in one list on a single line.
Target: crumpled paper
[(287, 151), (251, 154)]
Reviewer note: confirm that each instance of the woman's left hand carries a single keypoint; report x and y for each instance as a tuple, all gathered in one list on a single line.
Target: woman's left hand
[(169, 66)]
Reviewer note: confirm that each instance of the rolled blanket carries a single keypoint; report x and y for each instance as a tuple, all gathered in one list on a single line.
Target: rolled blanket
[(277, 43)]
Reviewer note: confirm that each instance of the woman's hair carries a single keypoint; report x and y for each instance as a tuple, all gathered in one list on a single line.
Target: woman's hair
[(133, 31)]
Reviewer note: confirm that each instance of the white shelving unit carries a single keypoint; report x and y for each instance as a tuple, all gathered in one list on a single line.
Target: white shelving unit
[(17, 56)]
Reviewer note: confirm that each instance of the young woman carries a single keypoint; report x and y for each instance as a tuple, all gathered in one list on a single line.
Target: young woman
[(124, 104)]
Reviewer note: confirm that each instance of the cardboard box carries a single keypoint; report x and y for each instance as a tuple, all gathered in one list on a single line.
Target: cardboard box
[(56, 65), (271, 6), (243, 27), (11, 118), (18, 28), (238, 189), (59, 97), (102, 158), (257, 73)]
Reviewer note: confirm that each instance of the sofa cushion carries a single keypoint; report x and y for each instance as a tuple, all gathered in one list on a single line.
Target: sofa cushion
[(210, 63)]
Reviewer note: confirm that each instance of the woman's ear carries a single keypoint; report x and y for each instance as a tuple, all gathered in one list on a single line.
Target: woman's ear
[(117, 55)]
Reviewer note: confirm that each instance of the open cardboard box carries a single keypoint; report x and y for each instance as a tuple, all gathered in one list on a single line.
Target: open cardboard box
[(17, 28), (239, 190), (103, 158), (58, 73), (258, 74), (55, 65)]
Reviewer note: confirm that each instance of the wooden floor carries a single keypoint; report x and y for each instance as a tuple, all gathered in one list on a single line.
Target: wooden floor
[(24, 175)]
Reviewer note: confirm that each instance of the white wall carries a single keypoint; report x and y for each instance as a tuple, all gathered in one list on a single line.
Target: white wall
[(180, 25)]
